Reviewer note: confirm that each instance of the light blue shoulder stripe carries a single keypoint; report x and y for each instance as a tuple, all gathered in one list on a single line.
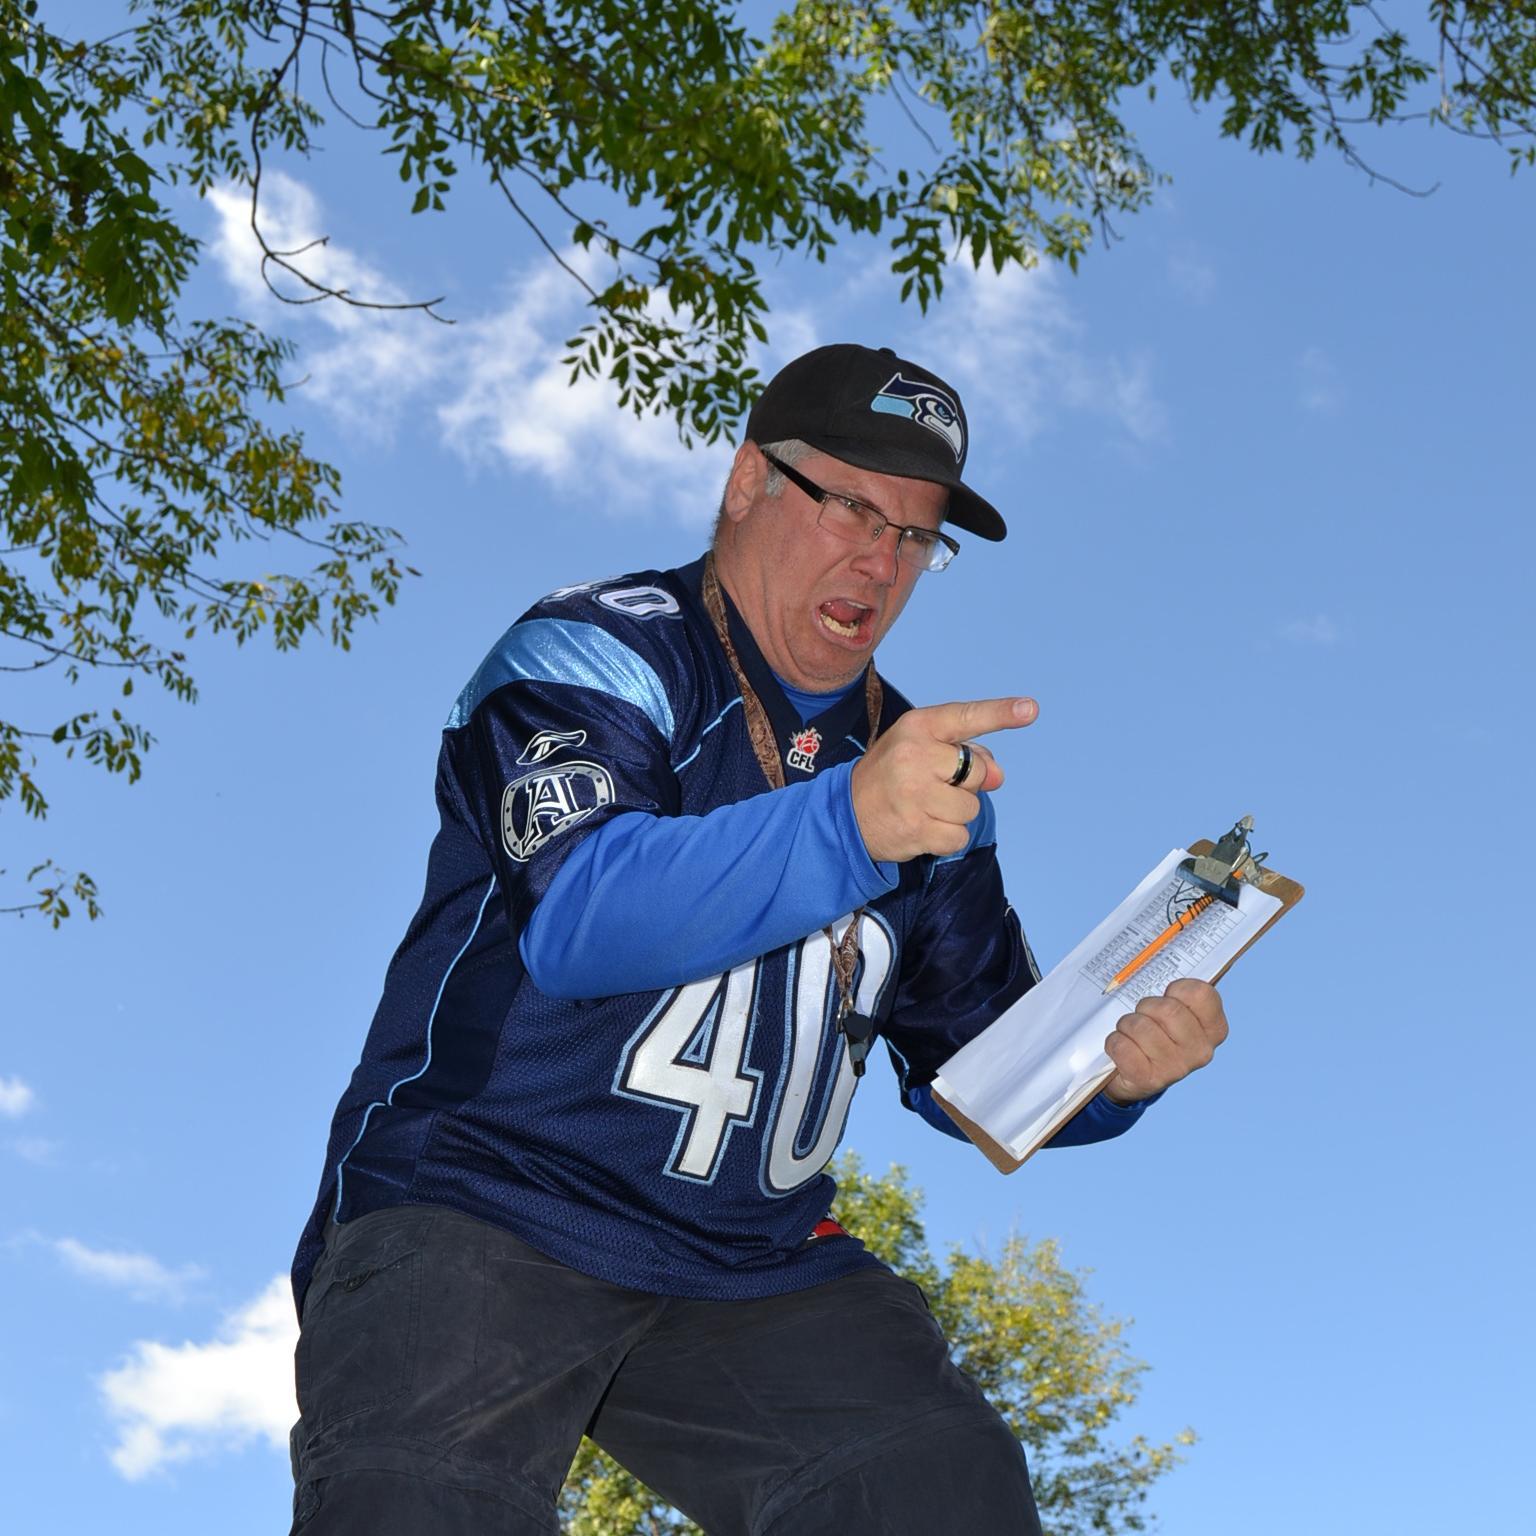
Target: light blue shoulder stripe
[(983, 832), (565, 651), (699, 746)]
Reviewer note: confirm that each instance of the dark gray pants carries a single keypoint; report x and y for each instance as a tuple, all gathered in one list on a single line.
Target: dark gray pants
[(447, 1371)]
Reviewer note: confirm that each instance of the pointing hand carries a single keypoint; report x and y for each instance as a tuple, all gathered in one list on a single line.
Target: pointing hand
[(904, 794)]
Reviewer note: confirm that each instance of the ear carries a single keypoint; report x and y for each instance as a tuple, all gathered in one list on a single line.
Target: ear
[(748, 472)]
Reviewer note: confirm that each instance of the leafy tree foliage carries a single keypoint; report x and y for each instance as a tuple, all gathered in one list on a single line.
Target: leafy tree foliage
[(672, 142), (131, 451), (1021, 1325)]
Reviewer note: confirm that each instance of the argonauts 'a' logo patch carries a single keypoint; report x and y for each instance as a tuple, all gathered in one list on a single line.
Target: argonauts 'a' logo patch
[(803, 747), (541, 805), (927, 405)]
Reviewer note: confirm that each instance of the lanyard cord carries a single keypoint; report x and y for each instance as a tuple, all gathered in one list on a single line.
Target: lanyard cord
[(845, 955)]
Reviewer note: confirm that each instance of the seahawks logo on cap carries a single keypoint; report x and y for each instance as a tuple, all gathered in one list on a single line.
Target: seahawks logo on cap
[(927, 405)]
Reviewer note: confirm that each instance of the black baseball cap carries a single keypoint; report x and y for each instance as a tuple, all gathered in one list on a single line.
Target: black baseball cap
[(877, 411)]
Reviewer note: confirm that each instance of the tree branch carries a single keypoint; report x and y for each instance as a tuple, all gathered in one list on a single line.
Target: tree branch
[(273, 257)]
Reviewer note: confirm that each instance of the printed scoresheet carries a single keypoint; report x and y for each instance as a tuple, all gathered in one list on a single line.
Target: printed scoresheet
[(1017, 1077), (1181, 956)]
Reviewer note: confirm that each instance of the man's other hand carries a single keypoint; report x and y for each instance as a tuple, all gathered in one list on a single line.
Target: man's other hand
[(1166, 1038), (903, 791)]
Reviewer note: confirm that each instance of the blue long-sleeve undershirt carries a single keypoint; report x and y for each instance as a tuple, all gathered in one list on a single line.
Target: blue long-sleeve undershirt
[(655, 901)]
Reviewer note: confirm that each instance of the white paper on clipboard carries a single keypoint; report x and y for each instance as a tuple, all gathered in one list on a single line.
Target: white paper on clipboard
[(1029, 1071)]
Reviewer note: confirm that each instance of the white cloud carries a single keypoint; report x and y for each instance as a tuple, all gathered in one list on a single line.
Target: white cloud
[(1013, 344), (494, 382), (362, 364), (794, 330), (1133, 400), (143, 1277), (293, 223), (1320, 388), (495, 386), (1318, 630), (36, 1149), (513, 403), (173, 1402), (16, 1097), (1193, 277)]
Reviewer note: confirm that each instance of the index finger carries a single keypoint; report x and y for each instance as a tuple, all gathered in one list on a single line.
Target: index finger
[(976, 717)]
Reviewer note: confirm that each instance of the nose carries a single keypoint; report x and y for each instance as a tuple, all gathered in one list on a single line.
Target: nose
[(878, 560)]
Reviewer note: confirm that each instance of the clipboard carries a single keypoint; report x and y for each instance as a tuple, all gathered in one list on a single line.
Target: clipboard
[(1287, 893)]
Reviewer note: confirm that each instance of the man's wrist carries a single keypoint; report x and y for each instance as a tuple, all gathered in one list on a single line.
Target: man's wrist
[(876, 875), (1138, 1103)]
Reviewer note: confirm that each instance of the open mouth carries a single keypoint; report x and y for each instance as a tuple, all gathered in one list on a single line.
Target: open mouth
[(845, 619)]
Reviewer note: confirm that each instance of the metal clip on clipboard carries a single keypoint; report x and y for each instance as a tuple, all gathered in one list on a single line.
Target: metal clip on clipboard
[(1231, 861)]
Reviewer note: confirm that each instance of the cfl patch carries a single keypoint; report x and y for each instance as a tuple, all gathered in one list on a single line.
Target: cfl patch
[(543, 804), (803, 747)]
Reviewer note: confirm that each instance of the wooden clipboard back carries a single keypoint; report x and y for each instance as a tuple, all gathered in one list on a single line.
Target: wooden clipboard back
[(1287, 891)]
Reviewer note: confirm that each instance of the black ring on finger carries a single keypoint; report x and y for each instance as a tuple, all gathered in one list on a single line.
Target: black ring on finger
[(963, 765)]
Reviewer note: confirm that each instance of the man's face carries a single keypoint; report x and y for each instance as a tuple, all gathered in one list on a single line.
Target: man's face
[(816, 603)]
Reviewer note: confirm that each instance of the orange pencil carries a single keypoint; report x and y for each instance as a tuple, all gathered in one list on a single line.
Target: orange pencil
[(1176, 927)]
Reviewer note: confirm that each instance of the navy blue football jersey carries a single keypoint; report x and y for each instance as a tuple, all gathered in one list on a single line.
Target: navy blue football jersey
[(672, 1140)]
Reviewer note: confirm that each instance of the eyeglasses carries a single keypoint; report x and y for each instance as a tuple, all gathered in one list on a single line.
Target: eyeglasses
[(860, 523)]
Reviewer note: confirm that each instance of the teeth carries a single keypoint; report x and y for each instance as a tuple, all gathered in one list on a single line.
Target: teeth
[(850, 630)]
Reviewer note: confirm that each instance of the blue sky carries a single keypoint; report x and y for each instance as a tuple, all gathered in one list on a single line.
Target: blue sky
[(1267, 465)]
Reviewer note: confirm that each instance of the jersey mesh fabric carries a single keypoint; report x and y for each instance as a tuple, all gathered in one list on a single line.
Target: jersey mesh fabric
[(671, 1140)]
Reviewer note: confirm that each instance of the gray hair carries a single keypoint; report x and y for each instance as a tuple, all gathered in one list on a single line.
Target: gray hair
[(790, 450)]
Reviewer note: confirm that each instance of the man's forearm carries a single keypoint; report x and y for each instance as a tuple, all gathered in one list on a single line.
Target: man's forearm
[(654, 901)]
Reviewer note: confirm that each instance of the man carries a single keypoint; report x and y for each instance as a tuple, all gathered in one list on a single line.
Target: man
[(694, 856)]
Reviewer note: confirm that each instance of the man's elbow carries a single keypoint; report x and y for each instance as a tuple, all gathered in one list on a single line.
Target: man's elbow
[(551, 965)]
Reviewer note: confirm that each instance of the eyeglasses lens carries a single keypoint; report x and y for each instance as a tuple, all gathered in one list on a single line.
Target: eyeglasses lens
[(862, 525)]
